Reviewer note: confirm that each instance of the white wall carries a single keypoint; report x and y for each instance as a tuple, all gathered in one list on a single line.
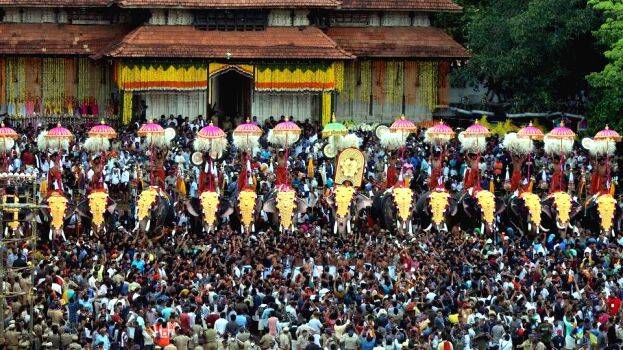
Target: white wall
[(188, 104), (300, 106)]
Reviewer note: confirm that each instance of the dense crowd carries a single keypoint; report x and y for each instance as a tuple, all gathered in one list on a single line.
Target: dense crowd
[(309, 289)]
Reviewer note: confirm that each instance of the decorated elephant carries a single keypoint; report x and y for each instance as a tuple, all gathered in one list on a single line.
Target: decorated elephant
[(479, 209), (155, 213), (346, 205), (562, 212), (436, 209), (91, 218), (524, 214), (393, 209), (602, 213), (283, 208)]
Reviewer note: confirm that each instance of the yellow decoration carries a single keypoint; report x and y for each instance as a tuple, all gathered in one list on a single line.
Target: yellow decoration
[(427, 92), (215, 68), (343, 198), (127, 107), (403, 198), (97, 206), (246, 204), (606, 206), (145, 200), (295, 78), (58, 205), (148, 77), (10, 199), (438, 205), (338, 71), (326, 108), (209, 204), (486, 201), (533, 203), (562, 202), (286, 203), (350, 165)]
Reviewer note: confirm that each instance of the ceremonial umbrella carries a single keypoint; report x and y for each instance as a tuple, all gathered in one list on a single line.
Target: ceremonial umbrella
[(404, 127), (99, 138), (439, 134), (533, 133), (246, 136), (211, 139), (606, 136), (473, 140), (334, 129), (7, 141)]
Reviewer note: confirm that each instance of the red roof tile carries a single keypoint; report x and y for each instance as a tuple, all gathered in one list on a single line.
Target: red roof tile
[(408, 5), (56, 3), (403, 42), (229, 3), (189, 42), (55, 39)]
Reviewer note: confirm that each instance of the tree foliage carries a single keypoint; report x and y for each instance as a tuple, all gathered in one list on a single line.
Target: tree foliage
[(532, 54), (608, 83)]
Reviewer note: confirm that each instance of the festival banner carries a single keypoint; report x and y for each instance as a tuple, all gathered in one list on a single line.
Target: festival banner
[(161, 77), (218, 68), (313, 77)]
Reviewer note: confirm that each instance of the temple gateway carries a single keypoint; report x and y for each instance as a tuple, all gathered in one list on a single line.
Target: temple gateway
[(364, 60)]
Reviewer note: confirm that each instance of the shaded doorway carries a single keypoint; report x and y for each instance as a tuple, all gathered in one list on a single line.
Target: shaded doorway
[(231, 97)]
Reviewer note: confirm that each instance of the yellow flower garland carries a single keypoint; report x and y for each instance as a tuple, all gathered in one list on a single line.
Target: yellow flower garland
[(438, 205), (97, 206), (606, 206), (209, 204), (148, 77), (326, 107), (343, 198), (127, 107), (486, 201)]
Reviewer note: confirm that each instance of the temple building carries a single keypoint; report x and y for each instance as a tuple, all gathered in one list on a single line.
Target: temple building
[(364, 60)]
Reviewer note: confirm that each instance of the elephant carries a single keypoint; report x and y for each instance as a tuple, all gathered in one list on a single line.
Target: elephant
[(342, 223), (519, 217), (472, 214), (226, 212), (271, 209), (386, 213), (556, 220), (84, 218), (425, 215), (160, 217), (593, 222)]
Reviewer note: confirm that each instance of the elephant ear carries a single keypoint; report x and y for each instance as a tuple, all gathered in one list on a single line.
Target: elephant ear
[(111, 208), (546, 208), (362, 202), (227, 213), (330, 200), (270, 206), (576, 209)]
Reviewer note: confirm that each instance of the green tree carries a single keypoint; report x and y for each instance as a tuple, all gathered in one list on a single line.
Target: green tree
[(607, 94), (532, 54)]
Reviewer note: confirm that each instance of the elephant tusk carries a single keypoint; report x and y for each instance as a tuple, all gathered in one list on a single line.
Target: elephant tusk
[(335, 228), (241, 228), (429, 227), (543, 228), (482, 228), (445, 227), (348, 229), (529, 227), (50, 235), (561, 227), (410, 228)]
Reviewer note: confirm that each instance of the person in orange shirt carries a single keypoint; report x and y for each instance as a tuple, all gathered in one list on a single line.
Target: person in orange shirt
[(163, 332)]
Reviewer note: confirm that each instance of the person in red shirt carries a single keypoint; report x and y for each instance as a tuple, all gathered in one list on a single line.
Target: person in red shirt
[(613, 305)]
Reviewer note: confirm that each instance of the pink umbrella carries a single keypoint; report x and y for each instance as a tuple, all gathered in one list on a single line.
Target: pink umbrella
[(103, 131), (59, 132), (403, 125), (606, 134), (211, 132), (476, 130), (247, 129), (150, 128), (561, 132), (530, 132), (440, 133), (8, 133)]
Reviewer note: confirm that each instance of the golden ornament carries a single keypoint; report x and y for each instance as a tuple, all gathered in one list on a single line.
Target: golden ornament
[(246, 204), (438, 205), (562, 202), (97, 206), (403, 198), (209, 204), (343, 197), (286, 203), (606, 206), (486, 201), (145, 200), (533, 203), (58, 206)]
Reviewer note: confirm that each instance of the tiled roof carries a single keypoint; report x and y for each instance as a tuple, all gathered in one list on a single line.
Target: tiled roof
[(189, 42), (56, 3), (55, 39), (230, 3), (411, 5), (416, 42)]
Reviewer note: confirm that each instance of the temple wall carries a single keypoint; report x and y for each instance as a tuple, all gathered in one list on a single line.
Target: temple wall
[(299, 106), (381, 90)]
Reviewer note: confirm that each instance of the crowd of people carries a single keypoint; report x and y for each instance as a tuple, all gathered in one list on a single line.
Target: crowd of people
[(377, 288)]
